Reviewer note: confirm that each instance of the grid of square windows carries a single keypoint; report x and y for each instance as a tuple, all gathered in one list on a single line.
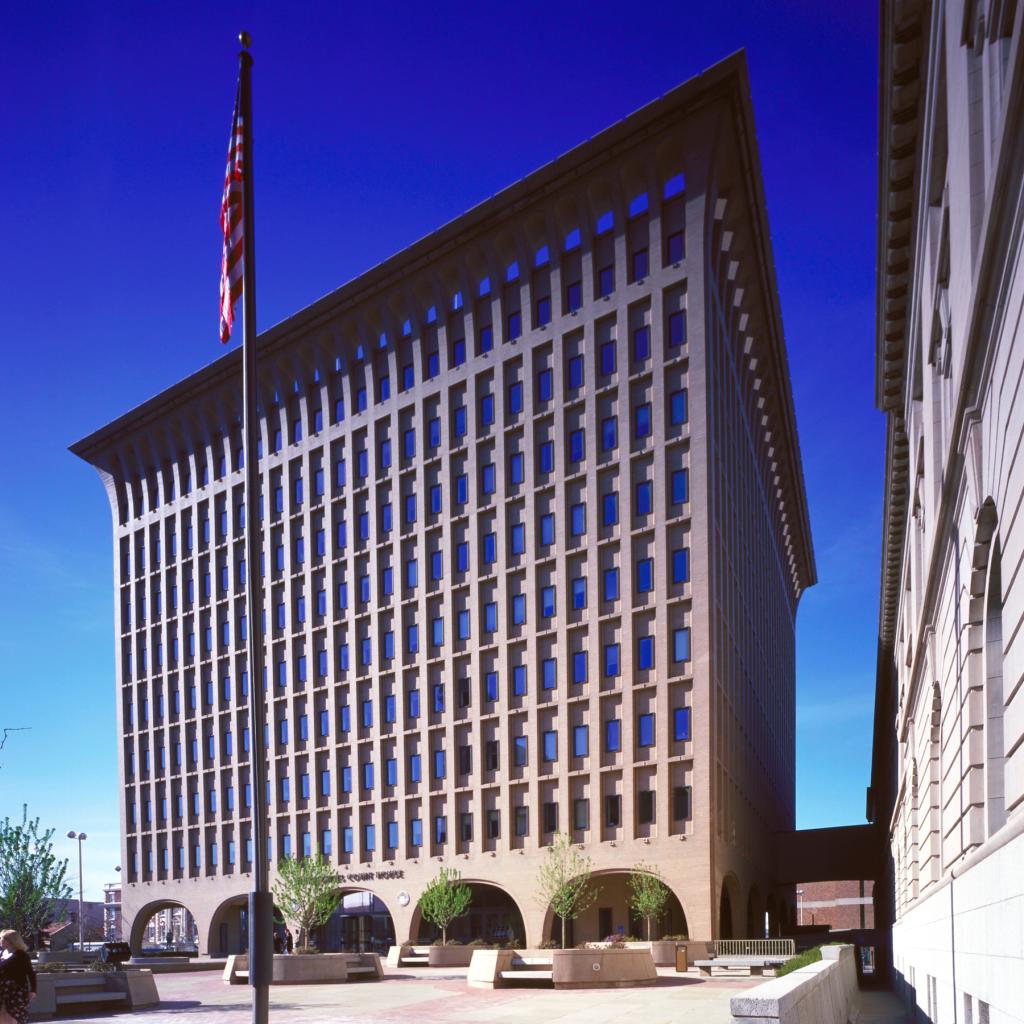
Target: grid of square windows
[(356, 517)]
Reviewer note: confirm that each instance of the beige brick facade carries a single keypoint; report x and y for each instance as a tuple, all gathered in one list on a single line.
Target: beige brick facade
[(534, 475)]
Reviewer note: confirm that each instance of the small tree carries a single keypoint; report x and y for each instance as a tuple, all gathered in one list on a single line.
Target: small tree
[(563, 881), (446, 898), (306, 892), (648, 893), (33, 883)]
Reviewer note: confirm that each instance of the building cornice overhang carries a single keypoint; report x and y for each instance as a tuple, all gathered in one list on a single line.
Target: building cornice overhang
[(794, 491), (904, 41), (720, 79)]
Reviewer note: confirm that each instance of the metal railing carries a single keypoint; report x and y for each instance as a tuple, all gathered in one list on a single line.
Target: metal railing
[(755, 947)]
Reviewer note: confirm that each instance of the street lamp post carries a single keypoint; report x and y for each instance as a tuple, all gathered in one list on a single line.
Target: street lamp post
[(81, 837)]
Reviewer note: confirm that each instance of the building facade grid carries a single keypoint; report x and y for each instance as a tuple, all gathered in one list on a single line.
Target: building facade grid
[(487, 561)]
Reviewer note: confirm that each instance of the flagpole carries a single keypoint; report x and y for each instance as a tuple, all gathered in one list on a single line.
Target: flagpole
[(261, 946)]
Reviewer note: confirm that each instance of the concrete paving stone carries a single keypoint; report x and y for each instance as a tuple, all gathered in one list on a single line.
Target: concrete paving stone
[(432, 997)]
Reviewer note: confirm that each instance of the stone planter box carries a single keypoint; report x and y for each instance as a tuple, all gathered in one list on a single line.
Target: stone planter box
[(436, 956), (662, 950), (570, 968), (310, 969), (450, 956), (603, 968)]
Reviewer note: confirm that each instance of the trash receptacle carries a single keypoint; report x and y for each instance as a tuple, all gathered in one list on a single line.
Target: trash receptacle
[(681, 964)]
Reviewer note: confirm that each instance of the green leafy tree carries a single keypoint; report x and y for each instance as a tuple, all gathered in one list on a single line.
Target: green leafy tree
[(306, 892), (648, 893), (563, 881), (445, 899), (34, 891)]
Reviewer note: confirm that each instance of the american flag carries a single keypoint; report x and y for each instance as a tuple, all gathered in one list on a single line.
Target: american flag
[(233, 226)]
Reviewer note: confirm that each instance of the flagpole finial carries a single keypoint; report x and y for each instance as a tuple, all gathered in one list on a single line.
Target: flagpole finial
[(245, 39)]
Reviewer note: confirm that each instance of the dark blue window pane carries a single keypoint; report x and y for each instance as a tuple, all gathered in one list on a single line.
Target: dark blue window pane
[(607, 358), (677, 407), (645, 730), (679, 487), (645, 652), (681, 724), (680, 565)]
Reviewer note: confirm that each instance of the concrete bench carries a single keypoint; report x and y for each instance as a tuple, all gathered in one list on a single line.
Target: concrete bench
[(755, 964), (65, 999)]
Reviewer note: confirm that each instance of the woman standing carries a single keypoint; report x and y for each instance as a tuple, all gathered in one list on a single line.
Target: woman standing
[(17, 979)]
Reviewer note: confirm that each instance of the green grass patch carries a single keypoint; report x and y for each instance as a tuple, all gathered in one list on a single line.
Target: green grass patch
[(794, 963)]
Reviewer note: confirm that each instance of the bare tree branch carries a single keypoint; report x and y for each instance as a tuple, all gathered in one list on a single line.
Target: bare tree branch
[(8, 731)]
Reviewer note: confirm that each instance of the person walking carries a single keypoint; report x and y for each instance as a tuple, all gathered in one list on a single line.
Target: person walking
[(17, 978), (289, 942)]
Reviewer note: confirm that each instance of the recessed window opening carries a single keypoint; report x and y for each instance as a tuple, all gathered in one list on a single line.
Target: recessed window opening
[(674, 186), (639, 205)]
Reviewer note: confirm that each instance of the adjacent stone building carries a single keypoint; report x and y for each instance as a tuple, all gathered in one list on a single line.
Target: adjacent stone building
[(534, 533), (948, 785)]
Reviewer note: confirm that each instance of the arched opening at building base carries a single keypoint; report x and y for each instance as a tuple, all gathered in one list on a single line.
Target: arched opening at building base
[(164, 926), (361, 923), (493, 917), (611, 915), (229, 927)]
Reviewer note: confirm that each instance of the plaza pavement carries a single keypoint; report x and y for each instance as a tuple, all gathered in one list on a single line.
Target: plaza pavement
[(439, 996)]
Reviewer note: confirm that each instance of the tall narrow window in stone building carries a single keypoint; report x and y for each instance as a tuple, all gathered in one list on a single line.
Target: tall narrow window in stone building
[(995, 800)]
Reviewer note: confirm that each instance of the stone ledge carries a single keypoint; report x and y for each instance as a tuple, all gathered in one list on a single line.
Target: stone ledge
[(825, 992)]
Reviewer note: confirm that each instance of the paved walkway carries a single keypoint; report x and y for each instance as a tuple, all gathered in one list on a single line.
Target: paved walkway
[(434, 997), (882, 1008)]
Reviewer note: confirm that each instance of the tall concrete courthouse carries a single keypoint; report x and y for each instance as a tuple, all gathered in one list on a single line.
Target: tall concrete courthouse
[(948, 774), (534, 533)]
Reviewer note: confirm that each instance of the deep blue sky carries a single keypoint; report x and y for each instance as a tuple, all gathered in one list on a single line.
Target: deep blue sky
[(375, 124)]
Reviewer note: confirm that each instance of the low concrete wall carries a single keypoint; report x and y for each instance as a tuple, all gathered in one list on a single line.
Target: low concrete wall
[(825, 992), (178, 965), (61, 956)]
